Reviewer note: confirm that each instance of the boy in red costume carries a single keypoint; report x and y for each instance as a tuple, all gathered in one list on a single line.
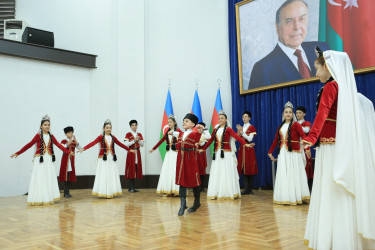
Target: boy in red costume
[(67, 167)]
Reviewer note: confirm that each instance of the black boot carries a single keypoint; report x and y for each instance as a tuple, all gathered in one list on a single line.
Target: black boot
[(202, 183), (251, 184), (197, 202), (132, 189), (183, 201), (247, 185), (66, 189), (182, 206)]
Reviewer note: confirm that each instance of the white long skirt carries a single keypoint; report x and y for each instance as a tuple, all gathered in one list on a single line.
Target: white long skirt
[(43, 187), (107, 180), (291, 186), (224, 180), (331, 222), (167, 179)]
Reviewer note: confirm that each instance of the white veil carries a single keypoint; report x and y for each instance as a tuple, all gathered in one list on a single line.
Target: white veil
[(354, 165)]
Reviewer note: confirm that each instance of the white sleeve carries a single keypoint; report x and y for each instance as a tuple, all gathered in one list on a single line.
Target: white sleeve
[(141, 143), (176, 133), (206, 134), (248, 137), (129, 143), (306, 129), (204, 137)]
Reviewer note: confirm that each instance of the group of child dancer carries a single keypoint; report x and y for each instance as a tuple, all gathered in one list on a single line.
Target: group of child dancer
[(184, 164), (44, 188)]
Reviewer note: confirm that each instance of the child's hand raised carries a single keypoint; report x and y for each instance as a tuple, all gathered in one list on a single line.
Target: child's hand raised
[(14, 155), (239, 128), (200, 126)]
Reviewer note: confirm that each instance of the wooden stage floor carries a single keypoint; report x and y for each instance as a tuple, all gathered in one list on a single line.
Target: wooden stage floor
[(145, 220)]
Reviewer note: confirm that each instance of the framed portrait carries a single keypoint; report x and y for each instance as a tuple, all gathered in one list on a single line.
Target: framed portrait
[(276, 39)]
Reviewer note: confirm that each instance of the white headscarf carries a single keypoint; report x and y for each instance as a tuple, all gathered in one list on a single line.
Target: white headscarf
[(354, 165)]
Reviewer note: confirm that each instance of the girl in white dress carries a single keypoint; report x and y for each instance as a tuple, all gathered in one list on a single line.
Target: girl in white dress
[(167, 180), (291, 187), (224, 180), (107, 179), (43, 187), (341, 213)]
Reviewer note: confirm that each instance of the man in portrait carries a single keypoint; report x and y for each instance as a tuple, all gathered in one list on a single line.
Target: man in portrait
[(292, 58)]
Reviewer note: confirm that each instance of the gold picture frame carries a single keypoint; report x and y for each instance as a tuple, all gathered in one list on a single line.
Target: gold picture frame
[(278, 85)]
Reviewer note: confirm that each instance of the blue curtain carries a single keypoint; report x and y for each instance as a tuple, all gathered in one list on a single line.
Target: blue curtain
[(266, 107)]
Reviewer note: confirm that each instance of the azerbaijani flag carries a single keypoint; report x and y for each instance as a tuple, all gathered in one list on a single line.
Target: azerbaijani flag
[(349, 25), (168, 110), (196, 109), (215, 115)]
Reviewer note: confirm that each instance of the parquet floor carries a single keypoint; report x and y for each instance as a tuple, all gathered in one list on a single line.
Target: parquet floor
[(145, 220)]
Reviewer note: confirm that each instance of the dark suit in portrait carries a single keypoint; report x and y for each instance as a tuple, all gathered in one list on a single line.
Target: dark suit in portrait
[(276, 67)]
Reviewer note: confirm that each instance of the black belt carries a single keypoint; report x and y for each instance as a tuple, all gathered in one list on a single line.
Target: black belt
[(187, 149), (135, 148)]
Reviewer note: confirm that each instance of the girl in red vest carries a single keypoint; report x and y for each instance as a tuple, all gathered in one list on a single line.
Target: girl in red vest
[(43, 187), (167, 180), (107, 179), (341, 212), (224, 180), (291, 186)]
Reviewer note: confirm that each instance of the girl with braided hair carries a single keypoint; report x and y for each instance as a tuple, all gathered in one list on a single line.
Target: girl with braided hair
[(43, 187), (224, 179), (167, 180), (341, 213), (107, 179), (291, 186)]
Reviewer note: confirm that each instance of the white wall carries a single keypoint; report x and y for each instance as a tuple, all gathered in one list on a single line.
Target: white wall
[(31, 89), (140, 45)]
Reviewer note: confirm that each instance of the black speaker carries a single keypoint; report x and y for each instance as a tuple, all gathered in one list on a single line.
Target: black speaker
[(40, 37)]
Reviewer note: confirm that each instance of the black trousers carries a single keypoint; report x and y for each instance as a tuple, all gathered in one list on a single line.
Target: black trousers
[(248, 181), (196, 190)]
